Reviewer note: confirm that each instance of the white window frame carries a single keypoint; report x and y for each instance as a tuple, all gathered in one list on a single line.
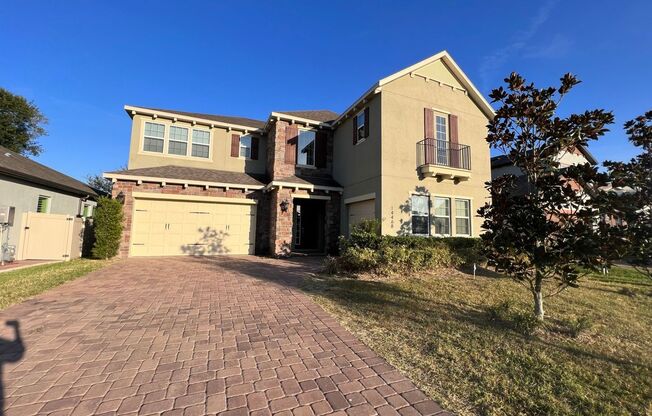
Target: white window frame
[(210, 141), (145, 136), (442, 154), (166, 140), (467, 218), (358, 128), (449, 217), (49, 203), (171, 140), (248, 148), (314, 149), (427, 214)]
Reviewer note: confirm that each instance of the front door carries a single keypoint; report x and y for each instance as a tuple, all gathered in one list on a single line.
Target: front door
[(308, 227)]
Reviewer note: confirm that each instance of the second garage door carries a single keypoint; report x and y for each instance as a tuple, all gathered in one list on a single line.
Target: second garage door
[(177, 227), (360, 211)]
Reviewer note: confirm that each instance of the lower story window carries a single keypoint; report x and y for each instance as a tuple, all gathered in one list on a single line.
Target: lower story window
[(88, 211), (43, 204), (442, 216), (462, 217), (420, 215)]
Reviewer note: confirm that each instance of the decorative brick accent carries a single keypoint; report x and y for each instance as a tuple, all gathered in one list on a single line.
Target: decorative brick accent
[(128, 187), (280, 236)]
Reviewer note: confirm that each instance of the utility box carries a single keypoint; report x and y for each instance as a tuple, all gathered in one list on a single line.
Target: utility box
[(7, 215)]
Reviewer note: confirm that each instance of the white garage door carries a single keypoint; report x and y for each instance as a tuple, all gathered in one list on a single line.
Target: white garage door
[(359, 211), (174, 227)]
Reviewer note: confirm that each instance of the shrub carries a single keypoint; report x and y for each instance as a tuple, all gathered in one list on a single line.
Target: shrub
[(368, 251), (330, 265), (107, 222), (577, 326), (500, 312), (520, 321), (525, 322)]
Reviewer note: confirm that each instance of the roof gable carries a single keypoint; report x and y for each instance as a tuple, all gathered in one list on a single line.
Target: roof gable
[(441, 67), (438, 64)]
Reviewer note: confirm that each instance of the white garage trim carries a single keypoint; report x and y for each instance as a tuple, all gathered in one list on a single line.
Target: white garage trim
[(198, 198), (360, 198), (140, 179), (307, 196)]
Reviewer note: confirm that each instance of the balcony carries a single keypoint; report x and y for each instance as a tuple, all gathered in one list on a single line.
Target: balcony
[(442, 159)]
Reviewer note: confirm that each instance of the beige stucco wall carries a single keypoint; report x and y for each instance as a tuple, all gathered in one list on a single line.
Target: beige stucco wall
[(220, 151), (358, 167), (403, 103)]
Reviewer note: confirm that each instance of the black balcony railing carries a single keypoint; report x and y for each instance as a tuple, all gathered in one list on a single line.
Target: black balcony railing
[(443, 153)]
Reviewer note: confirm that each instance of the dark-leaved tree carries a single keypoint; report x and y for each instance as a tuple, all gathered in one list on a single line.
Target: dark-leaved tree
[(21, 123), (544, 238), (634, 179), (100, 184)]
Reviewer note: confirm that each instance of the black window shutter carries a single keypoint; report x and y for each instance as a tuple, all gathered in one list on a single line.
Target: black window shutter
[(355, 130), (254, 148), (321, 149), (366, 122)]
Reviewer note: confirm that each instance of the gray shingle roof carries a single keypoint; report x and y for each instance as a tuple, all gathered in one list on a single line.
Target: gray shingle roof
[(310, 180), (195, 174), (318, 115), (14, 165), (242, 121)]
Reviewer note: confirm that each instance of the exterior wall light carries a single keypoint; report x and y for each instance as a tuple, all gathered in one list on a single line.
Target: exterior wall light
[(285, 204)]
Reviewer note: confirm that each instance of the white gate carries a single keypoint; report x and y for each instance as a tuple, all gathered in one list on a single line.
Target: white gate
[(49, 237)]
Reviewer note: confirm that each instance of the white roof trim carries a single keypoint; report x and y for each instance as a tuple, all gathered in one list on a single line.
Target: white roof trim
[(308, 186), (140, 179), (475, 95), (294, 119), (181, 117)]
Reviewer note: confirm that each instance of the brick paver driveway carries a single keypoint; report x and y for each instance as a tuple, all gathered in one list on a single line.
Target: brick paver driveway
[(228, 335)]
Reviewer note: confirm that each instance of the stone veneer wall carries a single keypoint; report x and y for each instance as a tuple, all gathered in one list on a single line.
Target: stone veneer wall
[(280, 233), (127, 187)]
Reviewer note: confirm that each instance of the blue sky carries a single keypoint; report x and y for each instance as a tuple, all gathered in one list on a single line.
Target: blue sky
[(82, 61)]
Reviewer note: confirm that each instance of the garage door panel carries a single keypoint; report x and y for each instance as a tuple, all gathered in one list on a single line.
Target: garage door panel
[(360, 211), (171, 227)]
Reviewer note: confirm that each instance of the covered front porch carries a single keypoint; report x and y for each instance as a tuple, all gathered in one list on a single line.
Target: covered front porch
[(304, 218)]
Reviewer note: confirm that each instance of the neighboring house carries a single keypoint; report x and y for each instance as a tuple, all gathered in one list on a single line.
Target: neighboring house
[(410, 152), (31, 187), (501, 165)]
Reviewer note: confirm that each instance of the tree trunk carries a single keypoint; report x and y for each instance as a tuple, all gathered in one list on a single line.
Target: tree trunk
[(538, 304), (538, 297)]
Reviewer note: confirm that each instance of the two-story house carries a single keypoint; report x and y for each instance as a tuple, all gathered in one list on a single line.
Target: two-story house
[(410, 152)]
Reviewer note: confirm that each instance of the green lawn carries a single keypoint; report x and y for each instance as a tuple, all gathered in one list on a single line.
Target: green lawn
[(439, 331), (18, 285)]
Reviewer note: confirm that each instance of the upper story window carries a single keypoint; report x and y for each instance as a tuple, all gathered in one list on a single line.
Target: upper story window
[(201, 141), (156, 134), (361, 126), (178, 144), (245, 146), (441, 127), (43, 204), (306, 148), (154, 137), (420, 214), (442, 216)]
